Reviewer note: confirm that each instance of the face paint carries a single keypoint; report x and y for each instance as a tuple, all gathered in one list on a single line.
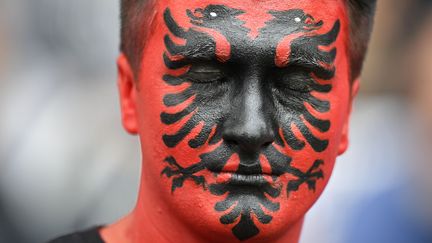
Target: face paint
[(242, 113)]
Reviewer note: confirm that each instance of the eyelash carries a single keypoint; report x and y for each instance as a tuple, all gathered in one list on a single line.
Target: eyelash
[(291, 79), (211, 75), (295, 76), (206, 81)]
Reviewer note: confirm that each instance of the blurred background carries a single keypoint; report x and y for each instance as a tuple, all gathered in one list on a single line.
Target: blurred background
[(66, 164)]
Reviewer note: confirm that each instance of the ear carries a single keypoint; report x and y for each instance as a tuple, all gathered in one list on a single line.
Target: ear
[(127, 91), (343, 145)]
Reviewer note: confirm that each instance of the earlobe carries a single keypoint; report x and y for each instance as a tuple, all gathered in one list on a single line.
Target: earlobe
[(344, 142), (127, 91)]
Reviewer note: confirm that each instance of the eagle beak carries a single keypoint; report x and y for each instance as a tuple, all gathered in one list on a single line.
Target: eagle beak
[(196, 17), (311, 24)]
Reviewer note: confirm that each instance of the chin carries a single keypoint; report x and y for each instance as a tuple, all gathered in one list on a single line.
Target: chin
[(195, 208)]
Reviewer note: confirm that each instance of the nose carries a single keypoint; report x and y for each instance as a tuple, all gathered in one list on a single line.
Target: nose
[(249, 126), (251, 136)]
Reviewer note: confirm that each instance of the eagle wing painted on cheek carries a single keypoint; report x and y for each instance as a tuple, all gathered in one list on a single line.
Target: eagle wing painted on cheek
[(291, 45)]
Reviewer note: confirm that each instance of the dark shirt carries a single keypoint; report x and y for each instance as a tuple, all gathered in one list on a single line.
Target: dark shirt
[(88, 236)]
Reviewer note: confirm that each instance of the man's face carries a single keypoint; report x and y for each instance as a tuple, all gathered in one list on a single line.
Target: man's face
[(242, 106)]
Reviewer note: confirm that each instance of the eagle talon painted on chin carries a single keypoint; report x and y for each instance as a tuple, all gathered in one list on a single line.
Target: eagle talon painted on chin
[(309, 178), (179, 175)]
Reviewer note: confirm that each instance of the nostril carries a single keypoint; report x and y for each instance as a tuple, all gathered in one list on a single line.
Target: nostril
[(231, 141), (248, 143), (267, 144)]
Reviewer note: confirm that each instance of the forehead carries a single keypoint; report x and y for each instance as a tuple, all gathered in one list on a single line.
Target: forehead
[(247, 25), (256, 12), (324, 6)]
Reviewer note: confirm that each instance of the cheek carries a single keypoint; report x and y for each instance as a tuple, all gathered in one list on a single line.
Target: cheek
[(300, 201), (150, 103), (340, 100), (151, 90)]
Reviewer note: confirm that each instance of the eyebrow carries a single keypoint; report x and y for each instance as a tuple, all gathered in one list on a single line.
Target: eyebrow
[(307, 58), (307, 61), (199, 52)]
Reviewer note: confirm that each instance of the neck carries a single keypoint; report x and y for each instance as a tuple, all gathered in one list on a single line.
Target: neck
[(150, 221)]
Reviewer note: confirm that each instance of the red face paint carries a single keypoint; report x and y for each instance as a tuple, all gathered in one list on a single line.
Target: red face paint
[(241, 109)]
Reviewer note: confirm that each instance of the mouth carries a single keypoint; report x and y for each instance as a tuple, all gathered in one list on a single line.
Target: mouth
[(236, 179), (245, 171)]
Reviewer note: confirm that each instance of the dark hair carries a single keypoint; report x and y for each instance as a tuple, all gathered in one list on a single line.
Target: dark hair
[(361, 15), (136, 13), (136, 17)]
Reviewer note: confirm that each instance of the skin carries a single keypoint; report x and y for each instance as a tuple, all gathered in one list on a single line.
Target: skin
[(268, 97)]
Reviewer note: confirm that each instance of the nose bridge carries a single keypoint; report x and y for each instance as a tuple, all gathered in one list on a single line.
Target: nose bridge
[(249, 124), (252, 109)]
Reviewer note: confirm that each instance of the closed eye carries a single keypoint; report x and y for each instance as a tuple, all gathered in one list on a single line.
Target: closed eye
[(205, 73), (293, 79)]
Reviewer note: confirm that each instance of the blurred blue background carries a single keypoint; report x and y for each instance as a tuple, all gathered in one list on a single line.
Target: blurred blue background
[(66, 164)]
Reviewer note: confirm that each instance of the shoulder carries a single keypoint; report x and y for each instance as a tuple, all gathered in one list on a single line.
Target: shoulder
[(88, 236)]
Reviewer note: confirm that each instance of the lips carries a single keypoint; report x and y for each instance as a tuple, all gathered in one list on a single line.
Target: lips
[(236, 179), (224, 160), (241, 172), (238, 163)]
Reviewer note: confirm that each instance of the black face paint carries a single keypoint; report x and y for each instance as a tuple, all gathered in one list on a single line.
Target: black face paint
[(247, 100)]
